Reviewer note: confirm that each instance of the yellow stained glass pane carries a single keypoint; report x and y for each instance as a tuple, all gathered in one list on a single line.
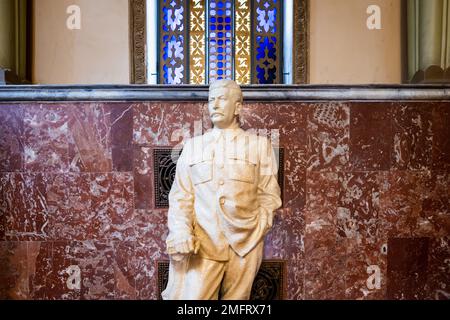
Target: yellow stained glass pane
[(242, 41), (197, 42)]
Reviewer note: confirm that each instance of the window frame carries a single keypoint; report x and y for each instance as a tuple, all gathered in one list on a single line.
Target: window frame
[(20, 71), (138, 42)]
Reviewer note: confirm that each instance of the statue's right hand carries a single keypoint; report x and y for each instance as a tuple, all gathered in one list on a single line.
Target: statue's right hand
[(178, 256), (183, 246)]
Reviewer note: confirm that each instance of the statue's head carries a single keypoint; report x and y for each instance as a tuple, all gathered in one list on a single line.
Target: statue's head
[(225, 103)]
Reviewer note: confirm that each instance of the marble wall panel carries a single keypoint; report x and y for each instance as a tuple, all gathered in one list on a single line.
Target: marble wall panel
[(366, 212), (11, 133), (371, 140)]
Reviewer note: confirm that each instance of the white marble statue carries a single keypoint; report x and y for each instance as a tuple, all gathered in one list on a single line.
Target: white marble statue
[(221, 205)]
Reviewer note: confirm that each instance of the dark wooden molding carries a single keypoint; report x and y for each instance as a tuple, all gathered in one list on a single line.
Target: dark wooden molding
[(138, 42), (301, 42), (404, 40), (30, 41)]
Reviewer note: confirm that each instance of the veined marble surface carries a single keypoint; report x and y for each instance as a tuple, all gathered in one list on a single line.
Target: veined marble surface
[(200, 93), (366, 211)]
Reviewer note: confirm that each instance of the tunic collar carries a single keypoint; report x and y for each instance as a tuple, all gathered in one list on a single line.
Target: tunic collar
[(229, 133)]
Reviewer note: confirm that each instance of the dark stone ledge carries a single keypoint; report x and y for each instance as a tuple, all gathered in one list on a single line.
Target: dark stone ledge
[(45, 93)]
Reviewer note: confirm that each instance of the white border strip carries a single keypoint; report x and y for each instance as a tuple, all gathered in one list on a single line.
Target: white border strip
[(288, 40), (152, 42), (200, 93)]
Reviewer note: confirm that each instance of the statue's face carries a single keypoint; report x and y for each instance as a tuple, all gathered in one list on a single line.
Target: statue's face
[(223, 106)]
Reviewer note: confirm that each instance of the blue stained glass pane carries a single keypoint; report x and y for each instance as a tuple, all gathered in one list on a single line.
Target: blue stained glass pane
[(173, 57), (220, 38), (267, 25)]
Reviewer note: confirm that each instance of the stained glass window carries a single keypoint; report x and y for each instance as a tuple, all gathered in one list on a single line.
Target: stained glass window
[(205, 40), (266, 42), (173, 36), (220, 40), (197, 48)]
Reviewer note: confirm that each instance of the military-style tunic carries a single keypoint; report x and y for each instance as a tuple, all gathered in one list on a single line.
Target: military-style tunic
[(224, 193)]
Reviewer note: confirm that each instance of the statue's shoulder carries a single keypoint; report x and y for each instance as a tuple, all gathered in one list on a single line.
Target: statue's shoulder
[(197, 140), (256, 137), (201, 138)]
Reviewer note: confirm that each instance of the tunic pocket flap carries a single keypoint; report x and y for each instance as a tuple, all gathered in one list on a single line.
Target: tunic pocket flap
[(241, 170), (201, 171)]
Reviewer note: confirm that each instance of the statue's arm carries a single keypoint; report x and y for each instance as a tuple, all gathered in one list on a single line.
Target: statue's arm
[(268, 189), (181, 208)]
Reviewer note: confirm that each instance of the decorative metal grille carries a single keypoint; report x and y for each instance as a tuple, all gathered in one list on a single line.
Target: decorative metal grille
[(164, 175), (269, 284), (279, 153)]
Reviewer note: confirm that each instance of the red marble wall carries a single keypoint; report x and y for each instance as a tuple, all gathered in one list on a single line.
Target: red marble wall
[(366, 186)]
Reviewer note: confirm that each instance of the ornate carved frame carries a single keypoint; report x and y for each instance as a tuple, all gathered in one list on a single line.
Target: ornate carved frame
[(301, 42), (138, 42), (138, 35)]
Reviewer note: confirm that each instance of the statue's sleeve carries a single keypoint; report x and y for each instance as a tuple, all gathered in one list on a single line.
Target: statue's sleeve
[(181, 203), (268, 188)]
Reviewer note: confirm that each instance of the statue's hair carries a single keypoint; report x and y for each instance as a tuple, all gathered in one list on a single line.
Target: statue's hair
[(229, 84)]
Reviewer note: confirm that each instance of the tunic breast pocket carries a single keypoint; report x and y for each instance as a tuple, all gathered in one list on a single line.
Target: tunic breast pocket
[(201, 171), (241, 170)]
